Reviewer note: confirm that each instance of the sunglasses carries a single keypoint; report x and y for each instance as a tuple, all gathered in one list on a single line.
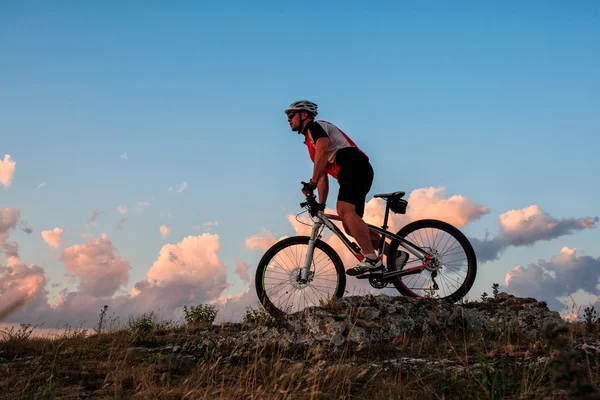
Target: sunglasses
[(291, 115)]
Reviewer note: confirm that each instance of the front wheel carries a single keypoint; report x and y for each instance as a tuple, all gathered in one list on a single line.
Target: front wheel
[(456, 267), (278, 284)]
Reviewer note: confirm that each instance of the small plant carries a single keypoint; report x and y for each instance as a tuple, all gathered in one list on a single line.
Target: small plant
[(256, 317), (143, 324), (200, 315), (23, 333), (464, 300), (590, 316), (484, 296), (101, 320), (566, 373), (495, 290)]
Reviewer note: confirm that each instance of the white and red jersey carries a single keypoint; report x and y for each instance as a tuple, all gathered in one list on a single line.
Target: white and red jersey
[(337, 140)]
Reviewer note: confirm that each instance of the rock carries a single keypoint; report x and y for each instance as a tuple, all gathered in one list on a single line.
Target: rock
[(363, 321)]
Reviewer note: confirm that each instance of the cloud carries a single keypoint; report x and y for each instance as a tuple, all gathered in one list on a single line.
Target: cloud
[(53, 238), (526, 226), (22, 282), (122, 210), (262, 242), (124, 156), (100, 270), (182, 187), (9, 217), (187, 272), (142, 205), (94, 217), (41, 185), (234, 307), (241, 268), (564, 274), (120, 224), (205, 226), (423, 203), (25, 227), (7, 169), (457, 210), (164, 231)]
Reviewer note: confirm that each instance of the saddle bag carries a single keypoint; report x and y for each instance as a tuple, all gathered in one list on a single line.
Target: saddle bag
[(398, 205)]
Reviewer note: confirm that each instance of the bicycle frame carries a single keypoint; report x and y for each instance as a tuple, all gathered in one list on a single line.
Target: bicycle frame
[(326, 219)]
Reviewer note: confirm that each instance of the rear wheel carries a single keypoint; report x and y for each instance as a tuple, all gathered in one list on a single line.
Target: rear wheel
[(277, 280), (456, 267)]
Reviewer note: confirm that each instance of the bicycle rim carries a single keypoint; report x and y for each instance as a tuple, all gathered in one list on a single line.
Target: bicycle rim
[(277, 282), (457, 273)]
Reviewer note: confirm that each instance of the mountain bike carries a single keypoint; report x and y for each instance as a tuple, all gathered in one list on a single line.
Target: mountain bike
[(426, 258)]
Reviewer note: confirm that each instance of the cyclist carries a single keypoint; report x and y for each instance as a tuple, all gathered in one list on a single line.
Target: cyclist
[(334, 153)]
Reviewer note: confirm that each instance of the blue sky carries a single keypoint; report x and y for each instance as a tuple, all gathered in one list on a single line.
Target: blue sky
[(495, 102)]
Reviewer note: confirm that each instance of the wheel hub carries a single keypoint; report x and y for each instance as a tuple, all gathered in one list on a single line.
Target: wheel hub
[(296, 279), (436, 263)]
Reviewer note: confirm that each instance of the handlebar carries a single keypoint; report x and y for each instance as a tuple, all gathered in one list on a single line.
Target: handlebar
[(313, 206)]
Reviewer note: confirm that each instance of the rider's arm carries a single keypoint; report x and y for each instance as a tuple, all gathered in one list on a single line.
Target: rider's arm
[(323, 188), (320, 159), (321, 140)]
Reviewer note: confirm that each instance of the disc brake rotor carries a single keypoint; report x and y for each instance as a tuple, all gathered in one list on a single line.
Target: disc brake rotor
[(436, 263), (296, 281)]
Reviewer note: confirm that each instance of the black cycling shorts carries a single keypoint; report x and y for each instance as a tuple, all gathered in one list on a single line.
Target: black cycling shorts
[(355, 177)]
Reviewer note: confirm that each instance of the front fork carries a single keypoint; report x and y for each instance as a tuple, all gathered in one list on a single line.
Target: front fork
[(314, 236)]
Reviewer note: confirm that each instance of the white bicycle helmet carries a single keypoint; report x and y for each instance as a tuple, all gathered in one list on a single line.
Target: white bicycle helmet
[(303, 105)]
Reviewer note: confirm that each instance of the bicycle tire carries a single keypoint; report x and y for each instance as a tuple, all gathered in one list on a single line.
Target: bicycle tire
[(469, 280), (280, 246)]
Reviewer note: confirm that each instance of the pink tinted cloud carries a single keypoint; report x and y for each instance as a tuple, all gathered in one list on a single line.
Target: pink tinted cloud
[(525, 227), (565, 273), (262, 242), (234, 307), (101, 271), (241, 268), (531, 224), (164, 231), (457, 210), (186, 272), (7, 169), (53, 238), (21, 281), (194, 259), (9, 217)]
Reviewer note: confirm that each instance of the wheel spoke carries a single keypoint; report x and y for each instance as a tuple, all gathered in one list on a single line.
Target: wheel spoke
[(454, 263), (280, 278)]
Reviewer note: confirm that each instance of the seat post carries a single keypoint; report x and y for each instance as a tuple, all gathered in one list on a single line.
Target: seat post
[(384, 226), (385, 217)]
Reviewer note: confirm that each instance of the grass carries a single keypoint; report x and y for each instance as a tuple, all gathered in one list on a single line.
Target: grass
[(152, 359)]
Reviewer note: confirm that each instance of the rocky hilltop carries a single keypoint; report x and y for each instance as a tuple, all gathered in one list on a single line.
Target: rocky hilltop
[(375, 347)]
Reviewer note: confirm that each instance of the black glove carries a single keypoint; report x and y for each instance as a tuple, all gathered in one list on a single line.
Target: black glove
[(310, 186), (316, 208)]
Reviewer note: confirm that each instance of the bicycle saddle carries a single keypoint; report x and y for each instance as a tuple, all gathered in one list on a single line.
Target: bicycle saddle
[(397, 195)]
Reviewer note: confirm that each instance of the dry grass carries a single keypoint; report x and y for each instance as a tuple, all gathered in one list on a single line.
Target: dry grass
[(172, 361)]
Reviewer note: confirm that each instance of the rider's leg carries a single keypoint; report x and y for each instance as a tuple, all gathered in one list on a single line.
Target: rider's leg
[(355, 226), (375, 239), (376, 242)]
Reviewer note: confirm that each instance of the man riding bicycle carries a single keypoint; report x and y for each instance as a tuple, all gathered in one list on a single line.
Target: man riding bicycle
[(334, 153)]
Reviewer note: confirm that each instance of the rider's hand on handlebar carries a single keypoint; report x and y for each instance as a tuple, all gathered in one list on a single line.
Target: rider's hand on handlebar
[(308, 188), (316, 208)]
